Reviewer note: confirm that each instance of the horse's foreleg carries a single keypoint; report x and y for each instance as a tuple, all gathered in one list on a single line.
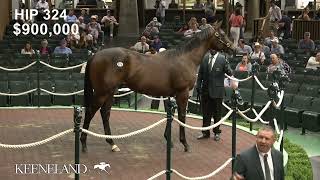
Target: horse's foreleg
[(182, 100), (105, 115), (89, 113)]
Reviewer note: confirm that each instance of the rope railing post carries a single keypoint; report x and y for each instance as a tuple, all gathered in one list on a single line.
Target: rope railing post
[(170, 113), (283, 123), (135, 101), (38, 80), (77, 120), (255, 67), (234, 128)]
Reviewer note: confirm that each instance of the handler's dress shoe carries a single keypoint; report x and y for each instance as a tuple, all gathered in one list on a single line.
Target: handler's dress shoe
[(217, 137), (203, 136)]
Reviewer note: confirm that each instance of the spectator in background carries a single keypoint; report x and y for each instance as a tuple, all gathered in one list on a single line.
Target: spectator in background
[(285, 26), (156, 43), (198, 5), (94, 28), (173, 5), (41, 6), (109, 23), (62, 49), (306, 43), (82, 25), (317, 15), (236, 22), (28, 49), (193, 30), (267, 40), (243, 48), (265, 49), (85, 15), (161, 10), (141, 46), (44, 50), (244, 65), (101, 4), (305, 14), (154, 23), (209, 11), (276, 48), (257, 54), (71, 18), (314, 62), (183, 29), (274, 16), (204, 24), (278, 64)]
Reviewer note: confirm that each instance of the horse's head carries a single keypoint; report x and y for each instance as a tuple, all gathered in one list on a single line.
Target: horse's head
[(219, 40)]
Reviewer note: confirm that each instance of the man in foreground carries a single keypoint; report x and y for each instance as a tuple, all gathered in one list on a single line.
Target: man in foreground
[(261, 161)]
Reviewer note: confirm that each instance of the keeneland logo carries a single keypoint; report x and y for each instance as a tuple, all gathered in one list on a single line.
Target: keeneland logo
[(50, 169), (102, 166)]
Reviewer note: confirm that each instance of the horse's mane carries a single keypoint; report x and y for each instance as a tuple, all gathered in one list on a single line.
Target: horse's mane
[(195, 41)]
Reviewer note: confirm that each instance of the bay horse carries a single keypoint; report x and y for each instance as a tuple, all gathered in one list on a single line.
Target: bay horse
[(169, 73)]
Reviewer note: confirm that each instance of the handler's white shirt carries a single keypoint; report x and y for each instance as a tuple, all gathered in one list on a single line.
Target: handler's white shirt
[(269, 162)]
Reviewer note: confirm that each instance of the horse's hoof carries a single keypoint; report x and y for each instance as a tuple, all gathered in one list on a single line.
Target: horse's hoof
[(115, 148), (84, 149), (187, 148)]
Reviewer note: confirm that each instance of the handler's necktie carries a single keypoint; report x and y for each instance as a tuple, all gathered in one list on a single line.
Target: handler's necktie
[(266, 167)]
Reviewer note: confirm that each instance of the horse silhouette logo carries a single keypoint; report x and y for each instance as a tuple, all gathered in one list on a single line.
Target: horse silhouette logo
[(102, 166)]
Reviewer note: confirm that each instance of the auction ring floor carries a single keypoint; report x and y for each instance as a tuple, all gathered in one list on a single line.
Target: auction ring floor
[(141, 156)]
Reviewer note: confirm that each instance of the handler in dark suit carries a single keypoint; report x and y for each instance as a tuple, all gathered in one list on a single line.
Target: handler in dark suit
[(262, 161), (210, 84)]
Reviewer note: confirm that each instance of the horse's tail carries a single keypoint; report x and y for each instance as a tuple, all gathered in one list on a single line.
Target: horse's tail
[(88, 90)]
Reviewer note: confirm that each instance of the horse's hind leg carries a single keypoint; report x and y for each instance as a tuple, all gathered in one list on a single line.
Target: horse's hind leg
[(182, 100), (89, 113), (105, 115)]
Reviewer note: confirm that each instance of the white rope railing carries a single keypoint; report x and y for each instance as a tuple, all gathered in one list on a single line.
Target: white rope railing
[(205, 128), (280, 100), (124, 135), (224, 165), (226, 106), (260, 84), (258, 115), (61, 94), (38, 143), (194, 102), (275, 122), (238, 80), (18, 69), (62, 69), (157, 175), (245, 111), (124, 94), (18, 94), (153, 98)]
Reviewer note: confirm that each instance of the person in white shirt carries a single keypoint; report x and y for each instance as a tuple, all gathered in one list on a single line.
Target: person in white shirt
[(274, 16), (193, 30), (109, 22), (41, 6), (261, 161), (28, 49), (314, 62), (141, 46), (257, 54)]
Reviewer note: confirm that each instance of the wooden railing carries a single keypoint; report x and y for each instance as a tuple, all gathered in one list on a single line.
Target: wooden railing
[(300, 27)]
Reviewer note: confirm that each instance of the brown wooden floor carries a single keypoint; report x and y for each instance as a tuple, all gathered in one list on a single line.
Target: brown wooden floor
[(141, 156)]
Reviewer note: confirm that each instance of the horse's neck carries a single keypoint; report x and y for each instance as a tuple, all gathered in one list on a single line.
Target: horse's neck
[(196, 55)]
